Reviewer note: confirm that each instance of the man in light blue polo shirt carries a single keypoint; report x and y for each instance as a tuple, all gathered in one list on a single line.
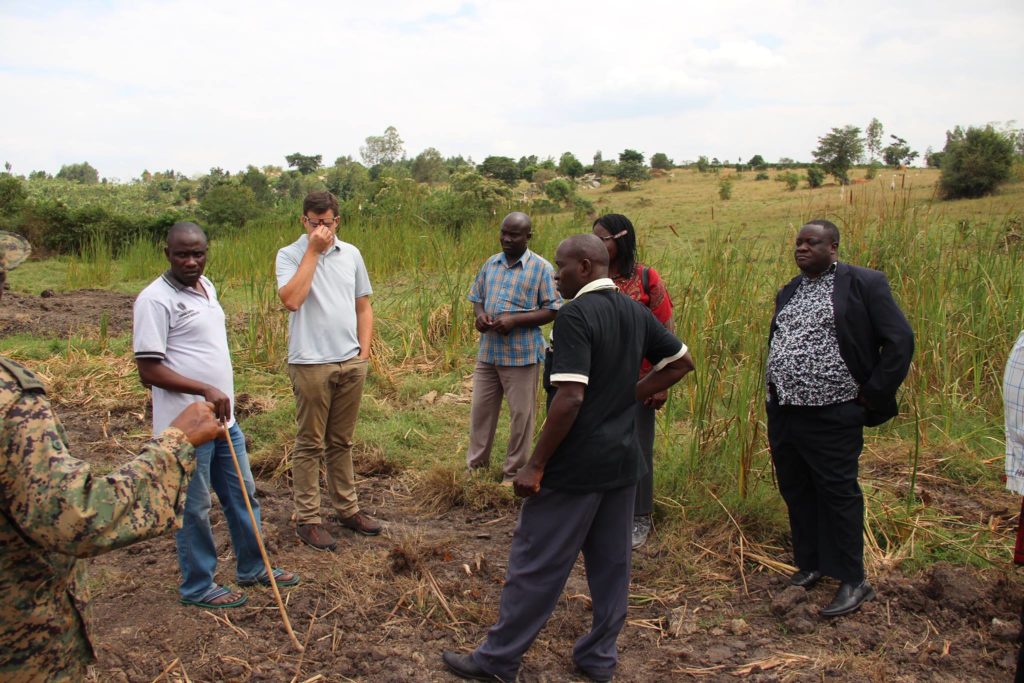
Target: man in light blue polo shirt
[(513, 295), (181, 350), (323, 282)]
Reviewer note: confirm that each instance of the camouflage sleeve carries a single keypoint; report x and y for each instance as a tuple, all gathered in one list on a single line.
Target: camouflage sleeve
[(60, 505)]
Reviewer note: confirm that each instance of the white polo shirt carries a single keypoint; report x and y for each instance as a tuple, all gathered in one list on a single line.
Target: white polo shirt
[(323, 330), (185, 331)]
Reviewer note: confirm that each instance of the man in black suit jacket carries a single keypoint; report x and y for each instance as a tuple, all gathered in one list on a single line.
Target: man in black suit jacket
[(839, 348)]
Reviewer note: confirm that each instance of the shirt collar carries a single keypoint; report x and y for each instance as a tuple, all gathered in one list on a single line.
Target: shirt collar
[(175, 282), (503, 260), (831, 270), (596, 286)]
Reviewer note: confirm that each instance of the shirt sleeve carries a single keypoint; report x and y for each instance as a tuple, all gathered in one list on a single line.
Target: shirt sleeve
[(57, 502), (659, 301), (150, 325), (362, 286), (285, 266), (478, 292), (662, 346), (570, 361), (547, 293)]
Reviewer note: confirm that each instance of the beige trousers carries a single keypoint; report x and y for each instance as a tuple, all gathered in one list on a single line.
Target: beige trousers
[(519, 387), (327, 404)]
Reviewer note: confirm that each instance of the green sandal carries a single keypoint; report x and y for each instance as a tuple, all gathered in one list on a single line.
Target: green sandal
[(293, 580), (217, 592)]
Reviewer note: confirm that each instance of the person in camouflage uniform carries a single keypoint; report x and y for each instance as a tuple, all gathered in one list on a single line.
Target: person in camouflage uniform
[(53, 511)]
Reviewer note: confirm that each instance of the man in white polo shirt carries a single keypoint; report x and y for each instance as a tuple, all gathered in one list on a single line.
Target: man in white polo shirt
[(181, 349), (323, 282)]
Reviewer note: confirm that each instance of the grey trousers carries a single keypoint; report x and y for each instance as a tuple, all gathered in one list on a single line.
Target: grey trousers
[(554, 526), (518, 385)]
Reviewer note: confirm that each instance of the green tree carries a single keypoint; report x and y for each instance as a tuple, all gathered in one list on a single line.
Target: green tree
[(12, 195), (228, 204), (932, 158), (569, 165), (815, 177), (873, 138), (428, 167), (757, 162), (975, 162), (660, 160), (259, 183), (631, 169), (304, 163), (631, 155), (839, 150), (898, 152), (703, 164), (500, 168), (383, 149), (80, 173), (559, 190), (347, 179), (725, 189)]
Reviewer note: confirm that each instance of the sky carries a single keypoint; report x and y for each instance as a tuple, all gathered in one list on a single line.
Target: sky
[(189, 85)]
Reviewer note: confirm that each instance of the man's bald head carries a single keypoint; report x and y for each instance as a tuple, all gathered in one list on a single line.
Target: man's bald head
[(586, 246), (579, 259), (183, 229), (517, 219)]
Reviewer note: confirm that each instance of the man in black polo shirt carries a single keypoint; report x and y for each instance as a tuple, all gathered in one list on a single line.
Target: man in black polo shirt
[(581, 479)]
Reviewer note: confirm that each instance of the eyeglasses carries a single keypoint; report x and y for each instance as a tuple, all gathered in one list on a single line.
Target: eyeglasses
[(613, 237), (326, 222)]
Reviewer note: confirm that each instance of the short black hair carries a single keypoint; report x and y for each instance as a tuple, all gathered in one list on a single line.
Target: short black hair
[(615, 223), (829, 227)]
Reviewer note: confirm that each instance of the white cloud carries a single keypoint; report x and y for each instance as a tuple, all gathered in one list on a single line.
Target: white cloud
[(190, 85)]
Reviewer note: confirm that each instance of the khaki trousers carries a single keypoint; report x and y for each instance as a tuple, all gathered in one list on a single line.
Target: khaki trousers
[(327, 404), (519, 387)]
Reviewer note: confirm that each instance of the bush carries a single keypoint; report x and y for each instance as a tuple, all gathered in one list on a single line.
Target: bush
[(558, 190), (872, 171), (762, 175), (791, 179), (725, 189), (229, 205), (815, 177), (975, 162)]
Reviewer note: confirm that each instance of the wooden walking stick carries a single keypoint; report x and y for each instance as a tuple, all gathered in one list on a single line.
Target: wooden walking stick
[(259, 542)]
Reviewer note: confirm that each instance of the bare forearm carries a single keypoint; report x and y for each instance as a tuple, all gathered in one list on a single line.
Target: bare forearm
[(542, 316), (653, 382), (565, 407), (154, 373), (294, 293)]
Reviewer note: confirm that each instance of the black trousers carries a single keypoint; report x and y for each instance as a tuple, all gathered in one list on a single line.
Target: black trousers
[(816, 452)]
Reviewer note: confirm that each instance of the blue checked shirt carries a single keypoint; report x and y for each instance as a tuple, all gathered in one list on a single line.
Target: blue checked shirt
[(1013, 401), (527, 285)]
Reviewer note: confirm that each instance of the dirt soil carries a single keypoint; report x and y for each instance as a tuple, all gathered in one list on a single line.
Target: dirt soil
[(383, 608)]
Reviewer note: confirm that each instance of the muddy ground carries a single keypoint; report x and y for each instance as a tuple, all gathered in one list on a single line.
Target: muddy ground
[(382, 609)]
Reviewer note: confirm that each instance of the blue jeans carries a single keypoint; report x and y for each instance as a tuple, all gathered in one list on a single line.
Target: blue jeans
[(197, 552)]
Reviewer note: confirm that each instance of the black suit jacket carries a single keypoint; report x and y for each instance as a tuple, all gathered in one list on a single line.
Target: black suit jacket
[(875, 339)]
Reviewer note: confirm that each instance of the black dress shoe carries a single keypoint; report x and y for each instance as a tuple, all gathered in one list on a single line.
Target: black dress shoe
[(848, 598), (600, 676), (805, 579), (465, 667)]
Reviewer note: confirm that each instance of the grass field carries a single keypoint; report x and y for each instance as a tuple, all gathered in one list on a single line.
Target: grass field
[(953, 266)]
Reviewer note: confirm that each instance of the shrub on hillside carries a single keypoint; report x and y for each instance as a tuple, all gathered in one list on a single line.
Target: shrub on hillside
[(790, 179), (762, 175), (725, 189), (975, 162)]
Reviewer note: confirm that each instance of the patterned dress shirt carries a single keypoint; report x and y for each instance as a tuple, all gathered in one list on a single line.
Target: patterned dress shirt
[(526, 285), (804, 365)]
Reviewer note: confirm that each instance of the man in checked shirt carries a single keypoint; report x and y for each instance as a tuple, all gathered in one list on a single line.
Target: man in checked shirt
[(513, 295)]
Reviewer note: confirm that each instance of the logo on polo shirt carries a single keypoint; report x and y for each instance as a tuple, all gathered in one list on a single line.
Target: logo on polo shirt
[(184, 312)]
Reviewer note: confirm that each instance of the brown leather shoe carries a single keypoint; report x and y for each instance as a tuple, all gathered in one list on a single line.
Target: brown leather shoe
[(316, 536), (361, 524)]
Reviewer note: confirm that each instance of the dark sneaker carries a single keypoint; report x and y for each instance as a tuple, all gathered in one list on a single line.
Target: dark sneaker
[(361, 524), (315, 535), (641, 529)]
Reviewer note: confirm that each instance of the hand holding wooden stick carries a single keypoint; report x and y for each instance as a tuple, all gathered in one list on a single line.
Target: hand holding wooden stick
[(259, 542)]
